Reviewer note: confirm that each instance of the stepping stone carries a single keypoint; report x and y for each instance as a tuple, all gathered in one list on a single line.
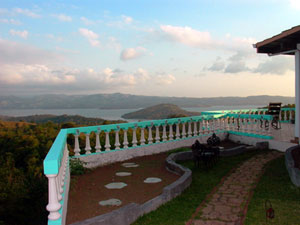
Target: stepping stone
[(129, 165), (152, 180), (116, 185), (112, 202), (123, 174)]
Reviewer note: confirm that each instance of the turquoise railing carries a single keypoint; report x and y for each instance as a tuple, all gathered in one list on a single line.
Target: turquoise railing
[(56, 163)]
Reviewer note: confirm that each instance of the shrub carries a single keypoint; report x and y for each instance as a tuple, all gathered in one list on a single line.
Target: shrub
[(77, 167)]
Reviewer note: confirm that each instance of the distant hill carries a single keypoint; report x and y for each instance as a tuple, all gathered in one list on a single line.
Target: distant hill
[(161, 111), (76, 119), (126, 101)]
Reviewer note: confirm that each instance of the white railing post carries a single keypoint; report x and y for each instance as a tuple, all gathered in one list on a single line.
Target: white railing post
[(53, 203), (183, 134), (157, 136), (98, 145), (125, 141), (195, 133), (117, 140), (171, 132), (177, 131), (142, 136), (77, 148), (150, 139), (285, 115), (134, 139), (165, 132), (107, 142), (189, 129), (87, 144)]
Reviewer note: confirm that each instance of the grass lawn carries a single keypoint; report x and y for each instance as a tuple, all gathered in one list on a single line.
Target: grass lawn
[(180, 209), (276, 186)]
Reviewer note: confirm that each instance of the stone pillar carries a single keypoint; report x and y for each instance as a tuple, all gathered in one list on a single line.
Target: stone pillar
[(87, 144), (53, 204), (134, 139), (98, 145), (76, 148), (150, 139), (157, 136), (117, 141), (125, 142), (107, 142), (142, 136)]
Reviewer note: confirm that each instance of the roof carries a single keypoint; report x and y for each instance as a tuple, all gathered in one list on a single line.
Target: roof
[(282, 43)]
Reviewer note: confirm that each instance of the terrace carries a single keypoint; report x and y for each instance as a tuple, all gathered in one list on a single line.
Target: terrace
[(120, 142), (112, 143)]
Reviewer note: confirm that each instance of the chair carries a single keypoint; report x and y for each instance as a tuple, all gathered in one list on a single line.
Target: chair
[(274, 110)]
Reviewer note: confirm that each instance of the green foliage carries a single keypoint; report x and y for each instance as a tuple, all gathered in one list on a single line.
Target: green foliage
[(77, 167), (23, 186)]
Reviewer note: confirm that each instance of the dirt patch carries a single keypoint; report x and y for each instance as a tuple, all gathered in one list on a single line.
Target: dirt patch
[(296, 156), (87, 190)]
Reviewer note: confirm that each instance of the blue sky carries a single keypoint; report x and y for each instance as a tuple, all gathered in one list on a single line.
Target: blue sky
[(162, 48)]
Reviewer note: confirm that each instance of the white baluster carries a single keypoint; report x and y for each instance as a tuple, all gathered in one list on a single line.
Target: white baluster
[(150, 139), (87, 144), (76, 148), (157, 136), (171, 132), (164, 132), (269, 132), (183, 131), (125, 142), (189, 129), (58, 180), (291, 115), (107, 142), (53, 204), (195, 133), (117, 140), (142, 136), (177, 131), (134, 139), (98, 145), (258, 128)]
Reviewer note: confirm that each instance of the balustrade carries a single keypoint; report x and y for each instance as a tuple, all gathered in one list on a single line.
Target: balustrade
[(107, 139)]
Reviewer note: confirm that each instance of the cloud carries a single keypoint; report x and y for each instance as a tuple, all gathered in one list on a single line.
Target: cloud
[(218, 65), (14, 52), (295, 4), (91, 36), (132, 53), (32, 74), (127, 19), (236, 67), (22, 34), (278, 65), (86, 21), (63, 17), (187, 35), (10, 21), (26, 12), (162, 79)]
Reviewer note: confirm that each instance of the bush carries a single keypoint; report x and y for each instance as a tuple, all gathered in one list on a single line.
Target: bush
[(77, 167)]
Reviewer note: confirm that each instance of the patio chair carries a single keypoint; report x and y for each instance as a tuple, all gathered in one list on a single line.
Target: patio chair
[(208, 154), (274, 109)]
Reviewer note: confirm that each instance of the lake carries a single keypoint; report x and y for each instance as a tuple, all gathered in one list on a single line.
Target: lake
[(108, 114)]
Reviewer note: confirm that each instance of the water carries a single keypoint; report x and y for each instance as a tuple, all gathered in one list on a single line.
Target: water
[(108, 114)]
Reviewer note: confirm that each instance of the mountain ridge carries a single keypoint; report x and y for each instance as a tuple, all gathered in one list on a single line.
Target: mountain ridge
[(128, 101)]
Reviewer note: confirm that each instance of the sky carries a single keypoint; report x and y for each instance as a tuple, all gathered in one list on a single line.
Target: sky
[(185, 48)]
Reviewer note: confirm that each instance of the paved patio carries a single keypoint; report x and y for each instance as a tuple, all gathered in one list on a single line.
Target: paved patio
[(227, 204)]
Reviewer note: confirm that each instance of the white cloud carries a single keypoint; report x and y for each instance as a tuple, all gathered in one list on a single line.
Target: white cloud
[(14, 52), (165, 79), (187, 35), (26, 12), (236, 67), (127, 19), (295, 4), (132, 53), (32, 74), (277, 65), (91, 36), (63, 17), (10, 21), (218, 65), (22, 34), (86, 21)]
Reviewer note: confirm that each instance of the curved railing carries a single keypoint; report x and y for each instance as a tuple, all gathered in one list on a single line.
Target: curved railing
[(114, 137)]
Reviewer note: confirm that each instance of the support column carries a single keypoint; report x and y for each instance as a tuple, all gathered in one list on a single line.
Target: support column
[(297, 94)]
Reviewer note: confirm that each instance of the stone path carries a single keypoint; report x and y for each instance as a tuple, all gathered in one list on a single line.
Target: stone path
[(228, 203)]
